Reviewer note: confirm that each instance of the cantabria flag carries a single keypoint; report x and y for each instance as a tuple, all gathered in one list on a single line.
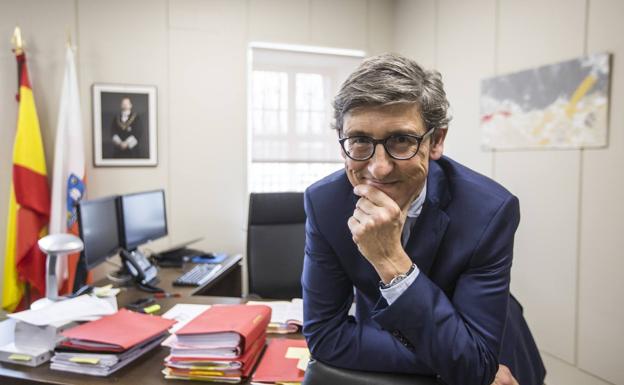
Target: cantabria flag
[(68, 183), (29, 203)]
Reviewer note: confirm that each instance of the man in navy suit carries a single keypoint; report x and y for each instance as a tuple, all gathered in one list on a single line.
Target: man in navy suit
[(423, 243)]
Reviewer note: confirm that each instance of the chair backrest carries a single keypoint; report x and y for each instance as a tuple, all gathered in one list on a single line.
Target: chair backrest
[(275, 244), (319, 373)]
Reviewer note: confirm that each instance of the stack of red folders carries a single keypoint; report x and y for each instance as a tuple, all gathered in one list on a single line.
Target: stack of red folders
[(102, 347), (221, 344)]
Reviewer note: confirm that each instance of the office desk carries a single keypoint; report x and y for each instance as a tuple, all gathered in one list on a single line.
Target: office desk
[(145, 370), (227, 283)]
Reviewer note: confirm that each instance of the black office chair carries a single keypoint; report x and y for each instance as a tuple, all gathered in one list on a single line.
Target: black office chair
[(319, 373), (275, 243)]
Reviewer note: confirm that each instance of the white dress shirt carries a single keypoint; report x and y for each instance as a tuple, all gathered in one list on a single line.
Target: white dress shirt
[(392, 293)]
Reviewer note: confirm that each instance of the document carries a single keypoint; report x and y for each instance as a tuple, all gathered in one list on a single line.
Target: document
[(286, 317), (73, 309), (183, 313)]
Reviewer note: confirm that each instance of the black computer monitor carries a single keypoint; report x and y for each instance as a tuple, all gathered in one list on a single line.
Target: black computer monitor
[(98, 226), (142, 218)]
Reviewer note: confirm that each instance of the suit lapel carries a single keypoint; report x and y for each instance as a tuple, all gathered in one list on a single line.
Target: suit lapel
[(430, 227)]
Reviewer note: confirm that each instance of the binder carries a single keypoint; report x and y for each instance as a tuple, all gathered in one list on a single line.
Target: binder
[(275, 365), (117, 332), (101, 365), (229, 324), (241, 366)]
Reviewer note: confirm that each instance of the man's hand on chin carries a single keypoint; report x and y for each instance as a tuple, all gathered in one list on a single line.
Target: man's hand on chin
[(376, 227)]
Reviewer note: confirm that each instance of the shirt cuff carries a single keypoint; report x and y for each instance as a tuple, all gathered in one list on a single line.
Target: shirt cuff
[(392, 293)]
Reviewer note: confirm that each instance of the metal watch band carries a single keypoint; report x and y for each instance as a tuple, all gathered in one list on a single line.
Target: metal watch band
[(397, 278)]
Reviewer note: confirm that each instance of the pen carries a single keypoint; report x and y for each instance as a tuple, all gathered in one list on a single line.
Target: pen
[(166, 295)]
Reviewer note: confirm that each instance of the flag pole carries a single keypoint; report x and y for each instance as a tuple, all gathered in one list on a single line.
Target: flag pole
[(16, 40), (69, 39)]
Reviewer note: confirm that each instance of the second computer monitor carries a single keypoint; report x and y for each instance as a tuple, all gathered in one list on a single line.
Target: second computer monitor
[(142, 218), (97, 222)]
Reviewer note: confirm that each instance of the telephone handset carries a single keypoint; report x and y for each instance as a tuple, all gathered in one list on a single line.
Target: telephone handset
[(141, 269)]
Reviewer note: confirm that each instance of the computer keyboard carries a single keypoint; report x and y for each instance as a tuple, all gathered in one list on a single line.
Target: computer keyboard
[(198, 275)]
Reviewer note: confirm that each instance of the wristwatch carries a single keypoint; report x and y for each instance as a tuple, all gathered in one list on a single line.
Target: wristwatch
[(397, 278)]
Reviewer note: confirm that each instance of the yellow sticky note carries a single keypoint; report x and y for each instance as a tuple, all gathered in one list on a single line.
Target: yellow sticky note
[(151, 309), (102, 291), (302, 364), (296, 353), (85, 360), (20, 357)]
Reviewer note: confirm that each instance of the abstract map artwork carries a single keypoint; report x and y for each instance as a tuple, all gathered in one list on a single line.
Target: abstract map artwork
[(563, 105)]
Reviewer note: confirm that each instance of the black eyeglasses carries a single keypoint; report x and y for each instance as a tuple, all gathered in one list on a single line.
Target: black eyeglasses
[(398, 146)]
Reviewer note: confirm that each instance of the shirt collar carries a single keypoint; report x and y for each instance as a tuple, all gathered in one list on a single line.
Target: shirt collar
[(416, 206)]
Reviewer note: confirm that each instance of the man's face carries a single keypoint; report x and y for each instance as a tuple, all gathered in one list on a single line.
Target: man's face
[(126, 105), (401, 180)]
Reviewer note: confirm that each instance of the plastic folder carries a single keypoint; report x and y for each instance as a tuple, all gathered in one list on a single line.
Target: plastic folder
[(241, 324), (275, 365), (117, 332)]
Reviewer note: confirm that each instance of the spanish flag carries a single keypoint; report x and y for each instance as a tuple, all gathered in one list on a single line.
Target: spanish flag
[(29, 204)]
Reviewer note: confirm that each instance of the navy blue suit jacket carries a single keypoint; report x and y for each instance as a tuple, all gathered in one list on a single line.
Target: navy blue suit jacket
[(457, 320)]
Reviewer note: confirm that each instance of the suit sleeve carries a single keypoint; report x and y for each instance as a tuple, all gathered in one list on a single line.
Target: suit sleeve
[(460, 337), (333, 336)]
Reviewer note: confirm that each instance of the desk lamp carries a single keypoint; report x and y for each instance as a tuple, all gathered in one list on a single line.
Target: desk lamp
[(55, 246)]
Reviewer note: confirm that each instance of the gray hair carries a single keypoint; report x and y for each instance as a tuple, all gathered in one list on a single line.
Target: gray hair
[(392, 79)]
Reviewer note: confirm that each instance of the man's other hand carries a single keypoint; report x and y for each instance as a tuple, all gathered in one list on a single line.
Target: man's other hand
[(504, 377)]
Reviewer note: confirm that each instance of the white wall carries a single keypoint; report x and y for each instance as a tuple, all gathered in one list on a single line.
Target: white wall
[(195, 52), (566, 265)]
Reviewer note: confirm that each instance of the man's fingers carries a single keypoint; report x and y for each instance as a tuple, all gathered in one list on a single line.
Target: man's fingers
[(376, 196), (361, 216), (365, 205)]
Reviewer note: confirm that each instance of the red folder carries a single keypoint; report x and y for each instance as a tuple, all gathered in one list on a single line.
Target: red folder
[(116, 332), (249, 321), (275, 367)]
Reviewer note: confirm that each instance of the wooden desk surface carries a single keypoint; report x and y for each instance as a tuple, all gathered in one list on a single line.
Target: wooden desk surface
[(146, 369)]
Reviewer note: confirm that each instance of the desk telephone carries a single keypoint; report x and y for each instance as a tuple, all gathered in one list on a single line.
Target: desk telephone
[(141, 269)]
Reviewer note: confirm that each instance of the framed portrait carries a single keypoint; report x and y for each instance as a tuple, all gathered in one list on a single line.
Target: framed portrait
[(124, 125)]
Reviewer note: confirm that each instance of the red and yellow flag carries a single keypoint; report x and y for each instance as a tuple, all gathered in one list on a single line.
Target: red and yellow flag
[(29, 203)]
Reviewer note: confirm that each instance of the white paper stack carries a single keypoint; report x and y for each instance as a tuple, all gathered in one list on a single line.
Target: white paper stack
[(286, 316), (31, 335)]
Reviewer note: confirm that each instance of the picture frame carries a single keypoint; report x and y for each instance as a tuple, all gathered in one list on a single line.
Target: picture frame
[(124, 125)]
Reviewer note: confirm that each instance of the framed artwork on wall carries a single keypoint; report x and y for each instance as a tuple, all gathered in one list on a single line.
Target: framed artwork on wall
[(558, 106), (124, 125)]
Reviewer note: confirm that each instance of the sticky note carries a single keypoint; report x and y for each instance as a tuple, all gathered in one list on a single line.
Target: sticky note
[(20, 357), (151, 309), (302, 364), (85, 360), (296, 353)]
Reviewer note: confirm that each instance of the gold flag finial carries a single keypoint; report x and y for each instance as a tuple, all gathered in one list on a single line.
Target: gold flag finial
[(18, 43)]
